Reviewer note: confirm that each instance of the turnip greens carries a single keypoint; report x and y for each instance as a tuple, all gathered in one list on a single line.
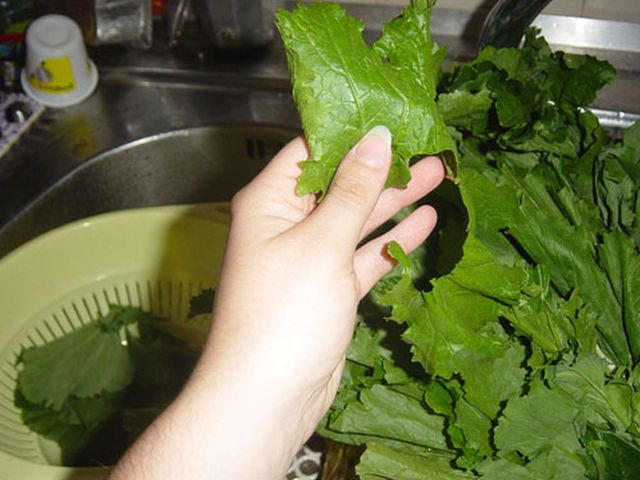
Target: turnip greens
[(512, 344)]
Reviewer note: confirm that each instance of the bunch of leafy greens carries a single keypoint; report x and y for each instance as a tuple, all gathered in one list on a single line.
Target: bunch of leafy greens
[(518, 358), (96, 388)]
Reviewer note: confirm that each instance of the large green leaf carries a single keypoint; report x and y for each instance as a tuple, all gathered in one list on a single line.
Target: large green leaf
[(383, 412), (533, 423), (74, 365), (381, 461), (343, 87), (615, 457), (586, 381)]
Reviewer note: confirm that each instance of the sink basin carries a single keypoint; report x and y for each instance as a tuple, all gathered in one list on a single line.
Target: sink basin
[(200, 164)]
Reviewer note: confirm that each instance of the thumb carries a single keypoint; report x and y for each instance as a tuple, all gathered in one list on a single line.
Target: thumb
[(355, 189)]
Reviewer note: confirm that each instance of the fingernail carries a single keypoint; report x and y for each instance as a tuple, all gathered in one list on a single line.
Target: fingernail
[(372, 149)]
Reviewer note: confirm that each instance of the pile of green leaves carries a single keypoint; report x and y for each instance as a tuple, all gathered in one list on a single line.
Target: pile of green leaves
[(95, 389), (518, 355)]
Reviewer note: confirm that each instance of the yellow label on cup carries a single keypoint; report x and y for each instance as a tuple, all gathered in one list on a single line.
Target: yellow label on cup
[(53, 75)]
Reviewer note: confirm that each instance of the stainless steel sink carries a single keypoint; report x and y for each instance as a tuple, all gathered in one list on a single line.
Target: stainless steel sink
[(146, 137), (199, 164)]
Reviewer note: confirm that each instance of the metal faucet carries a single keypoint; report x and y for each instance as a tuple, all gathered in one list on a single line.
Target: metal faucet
[(506, 22), (228, 24)]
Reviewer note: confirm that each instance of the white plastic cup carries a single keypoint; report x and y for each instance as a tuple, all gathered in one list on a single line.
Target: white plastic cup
[(58, 72)]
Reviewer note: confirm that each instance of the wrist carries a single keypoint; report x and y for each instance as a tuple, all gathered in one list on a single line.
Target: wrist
[(223, 426), (253, 427)]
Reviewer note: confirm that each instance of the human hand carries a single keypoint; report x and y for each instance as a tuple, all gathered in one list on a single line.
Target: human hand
[(292, 277), (294, 272)]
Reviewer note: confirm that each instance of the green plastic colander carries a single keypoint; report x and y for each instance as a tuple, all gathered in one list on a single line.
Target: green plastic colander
[(154, 258)]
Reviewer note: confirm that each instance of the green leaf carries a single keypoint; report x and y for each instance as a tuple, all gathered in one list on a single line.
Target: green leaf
[(437, 327), (632, 136), (585, 381), (73, 425), (465, 109), (74, 365), (617, 179), (159, 359), (614, 456), (343, 88), (454, 329), (383, 412), (554, 464), (439, 398), (502, 469), (476, 427), (541, 419), (381, 461), (367, 346), (508, 60), (202, 303), (554, 324), (394, 250), (620, 259), (584, 76)]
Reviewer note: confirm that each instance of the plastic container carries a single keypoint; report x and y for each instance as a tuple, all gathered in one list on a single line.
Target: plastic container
[(155, 258), (58, 72)]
